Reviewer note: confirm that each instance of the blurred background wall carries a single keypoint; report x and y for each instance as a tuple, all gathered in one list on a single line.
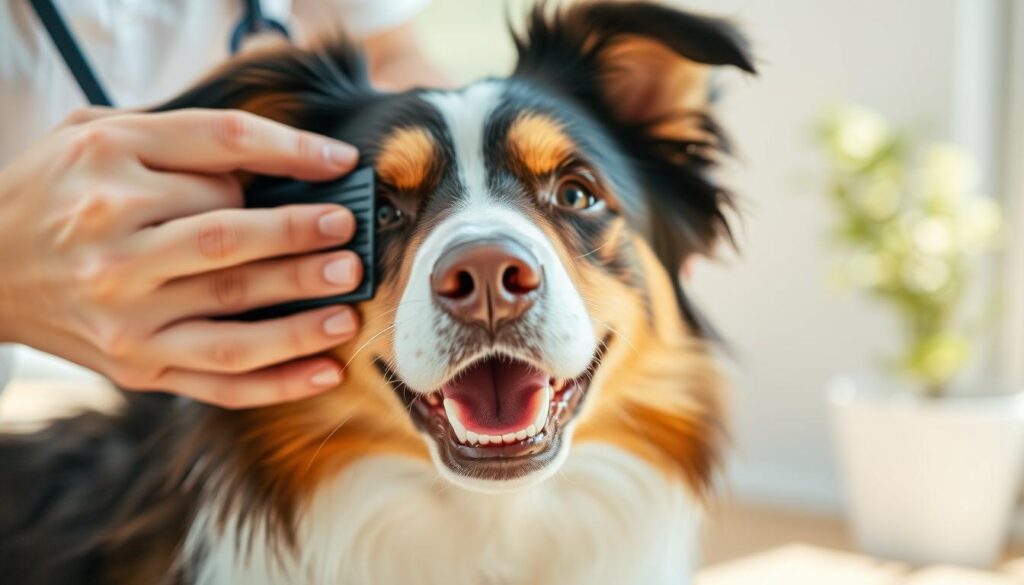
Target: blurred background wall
[(926, 64)]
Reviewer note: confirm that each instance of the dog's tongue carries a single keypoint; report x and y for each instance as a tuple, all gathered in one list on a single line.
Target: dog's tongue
[(497, 395)]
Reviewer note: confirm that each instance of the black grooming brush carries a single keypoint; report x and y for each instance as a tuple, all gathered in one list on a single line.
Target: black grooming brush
[(355, 192)]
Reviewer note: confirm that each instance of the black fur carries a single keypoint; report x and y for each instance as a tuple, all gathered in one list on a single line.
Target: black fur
[(316, 89), (87, 489)]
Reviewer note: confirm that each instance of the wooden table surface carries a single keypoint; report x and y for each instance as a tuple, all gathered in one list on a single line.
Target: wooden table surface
[(801, 564)]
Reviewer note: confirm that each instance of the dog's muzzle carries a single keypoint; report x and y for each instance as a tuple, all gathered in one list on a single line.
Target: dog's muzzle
[(487, 283)]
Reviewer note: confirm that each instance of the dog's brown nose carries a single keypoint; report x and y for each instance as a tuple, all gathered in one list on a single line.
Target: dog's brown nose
[(486, 282)]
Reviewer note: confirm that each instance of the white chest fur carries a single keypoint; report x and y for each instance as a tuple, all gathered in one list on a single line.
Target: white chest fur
[(606, 518)]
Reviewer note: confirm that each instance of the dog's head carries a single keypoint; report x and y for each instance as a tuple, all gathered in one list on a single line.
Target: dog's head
[(530, 231)]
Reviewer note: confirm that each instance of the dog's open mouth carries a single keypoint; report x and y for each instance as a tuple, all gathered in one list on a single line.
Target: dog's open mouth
[(499, 417)]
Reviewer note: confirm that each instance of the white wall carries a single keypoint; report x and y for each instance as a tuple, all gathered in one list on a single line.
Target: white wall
[(790, 334)]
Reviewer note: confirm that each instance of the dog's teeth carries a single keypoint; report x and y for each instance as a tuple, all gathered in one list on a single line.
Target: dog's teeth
[(453, 419), (542, 416), (469, 437)]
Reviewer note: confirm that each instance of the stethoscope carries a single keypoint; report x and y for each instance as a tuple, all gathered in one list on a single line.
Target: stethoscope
[(253, 22)]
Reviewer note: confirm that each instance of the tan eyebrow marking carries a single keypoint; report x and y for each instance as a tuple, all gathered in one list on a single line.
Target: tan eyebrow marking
[(539, 142), (406, 157)]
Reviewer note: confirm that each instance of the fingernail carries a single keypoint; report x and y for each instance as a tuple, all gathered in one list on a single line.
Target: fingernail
[(340, 154), (336, 224), (326, 378), (341, 272), (339, 324)]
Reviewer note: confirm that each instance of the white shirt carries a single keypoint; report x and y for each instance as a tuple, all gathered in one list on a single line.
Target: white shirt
[(144, 52), (6, 364)]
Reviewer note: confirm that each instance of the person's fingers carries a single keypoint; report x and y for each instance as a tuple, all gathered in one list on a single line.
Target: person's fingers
[(261, 284), (283, 383), (220, 141), (88, 114), (231, 237), (170, 196), (235, 347)]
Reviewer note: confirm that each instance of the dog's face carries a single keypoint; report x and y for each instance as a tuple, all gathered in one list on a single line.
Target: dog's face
[(529, 230), (498, 210)]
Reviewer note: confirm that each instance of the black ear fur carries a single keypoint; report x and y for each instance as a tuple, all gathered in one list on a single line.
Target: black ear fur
[(582, 31), (565, 49), (305, 88)]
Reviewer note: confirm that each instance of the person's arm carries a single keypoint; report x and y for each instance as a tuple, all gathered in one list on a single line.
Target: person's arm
[(397, 61), (122, 237)]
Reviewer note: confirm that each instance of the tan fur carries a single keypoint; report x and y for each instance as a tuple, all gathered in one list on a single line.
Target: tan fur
[(539, 143), (407, 157), (646, 81), (281, 107), (660, 393), (285, 451)]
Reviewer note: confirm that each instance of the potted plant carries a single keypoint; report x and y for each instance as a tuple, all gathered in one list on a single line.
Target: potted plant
[(932, 466)]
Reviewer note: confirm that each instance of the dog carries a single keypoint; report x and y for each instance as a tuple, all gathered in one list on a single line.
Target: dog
[(532, 398)]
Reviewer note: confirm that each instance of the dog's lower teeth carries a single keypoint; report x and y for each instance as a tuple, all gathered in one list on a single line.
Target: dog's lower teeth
[(468, 437)]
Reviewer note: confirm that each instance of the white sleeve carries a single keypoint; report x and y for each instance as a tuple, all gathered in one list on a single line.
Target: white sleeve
[(361, 18), (6, 364)]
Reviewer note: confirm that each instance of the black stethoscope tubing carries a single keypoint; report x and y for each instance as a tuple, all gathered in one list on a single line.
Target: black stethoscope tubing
[(252, 22)]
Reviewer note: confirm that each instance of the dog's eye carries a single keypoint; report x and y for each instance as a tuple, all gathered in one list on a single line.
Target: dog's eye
[(574, 195), (389, 216)]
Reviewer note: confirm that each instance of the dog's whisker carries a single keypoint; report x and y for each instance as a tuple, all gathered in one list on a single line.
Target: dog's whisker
[(324, 442), (367, 343), (387, 312), (607, 242), (618, 334)]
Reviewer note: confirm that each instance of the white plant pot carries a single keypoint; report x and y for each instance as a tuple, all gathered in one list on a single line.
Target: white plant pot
[(929, 481)]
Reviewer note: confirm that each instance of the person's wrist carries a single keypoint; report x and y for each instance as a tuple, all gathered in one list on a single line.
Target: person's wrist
[(6, 323), (11, 313)]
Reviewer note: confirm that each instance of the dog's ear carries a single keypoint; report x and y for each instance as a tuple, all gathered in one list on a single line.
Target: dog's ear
[(643, 69), (311, 88)]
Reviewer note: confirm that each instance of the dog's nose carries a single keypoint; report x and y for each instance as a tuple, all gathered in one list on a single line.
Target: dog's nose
[(486, 282)]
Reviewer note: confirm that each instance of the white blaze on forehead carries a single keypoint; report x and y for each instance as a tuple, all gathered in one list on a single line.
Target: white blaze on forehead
[(466, 114)]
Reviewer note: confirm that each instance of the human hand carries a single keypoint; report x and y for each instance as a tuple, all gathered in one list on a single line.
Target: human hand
[(122, 234)]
